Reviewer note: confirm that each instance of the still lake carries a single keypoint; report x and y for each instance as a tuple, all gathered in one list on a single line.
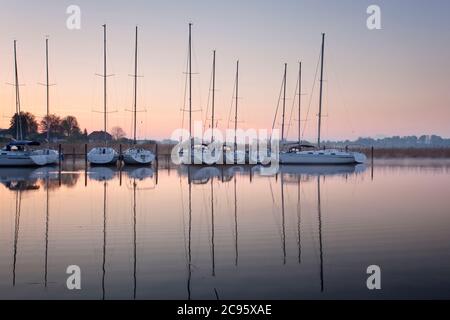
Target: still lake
[(226, 233)]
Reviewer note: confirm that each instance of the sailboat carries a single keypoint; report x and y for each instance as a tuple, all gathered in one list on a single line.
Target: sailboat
[(295, 155), (18, 152), (51, 156), (194, 152), (103, 155), (209, 154), (235, 156), (137, 156)]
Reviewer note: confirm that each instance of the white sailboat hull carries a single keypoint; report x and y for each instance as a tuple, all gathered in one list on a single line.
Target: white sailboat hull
[(103, 156), (325, 157), (138, 156), (16, 159), (45, 156), (28, 158)]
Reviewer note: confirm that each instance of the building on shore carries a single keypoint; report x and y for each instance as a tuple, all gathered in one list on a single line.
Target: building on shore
[(99, 136)]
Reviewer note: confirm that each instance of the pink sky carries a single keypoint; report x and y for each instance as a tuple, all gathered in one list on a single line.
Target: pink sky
[(393, 81)]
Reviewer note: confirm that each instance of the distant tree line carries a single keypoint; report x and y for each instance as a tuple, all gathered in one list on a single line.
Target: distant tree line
[(66, 128), (59, 128), (424, 141)]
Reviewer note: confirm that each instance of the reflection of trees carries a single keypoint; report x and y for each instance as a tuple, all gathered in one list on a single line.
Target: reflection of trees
[(22, 185), (68, 180)]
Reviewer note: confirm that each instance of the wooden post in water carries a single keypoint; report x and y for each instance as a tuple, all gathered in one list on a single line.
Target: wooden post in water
[(157, 159), (85, 156), (371, 172), (60, 155), (371, 154)]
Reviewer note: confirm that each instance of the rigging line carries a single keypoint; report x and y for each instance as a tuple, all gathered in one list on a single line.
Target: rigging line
[(292, 107), (185, 89), (275, 210), (196, 64), (232, 102), (276, 110), (208, 101), (311, 96)]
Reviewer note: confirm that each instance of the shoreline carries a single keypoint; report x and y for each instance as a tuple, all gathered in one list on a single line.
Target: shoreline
[(78, 148)]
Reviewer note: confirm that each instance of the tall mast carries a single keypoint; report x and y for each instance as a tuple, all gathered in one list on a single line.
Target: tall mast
[(213, 94), (284, 101), (104, 80), (299, 102), (135, 84), (190, 79), (321, 90), (16, 85), (236, 109), (48, 89)]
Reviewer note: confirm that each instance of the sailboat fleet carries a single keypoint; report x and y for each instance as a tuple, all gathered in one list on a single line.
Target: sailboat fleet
[(19, 152), (204, 154)]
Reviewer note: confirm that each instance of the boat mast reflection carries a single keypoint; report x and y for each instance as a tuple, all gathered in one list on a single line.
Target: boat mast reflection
[(134, 241), (104, 240), (189, 240), (16, 232), (47, 221), (319, 213), (299, 215), (283, 222), (236, 224), (212, 230)]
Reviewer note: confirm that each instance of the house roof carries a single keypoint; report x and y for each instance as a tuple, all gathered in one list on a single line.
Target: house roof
[(99, 135)]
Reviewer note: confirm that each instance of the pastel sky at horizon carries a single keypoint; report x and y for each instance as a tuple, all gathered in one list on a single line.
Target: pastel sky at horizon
[(394, 81)]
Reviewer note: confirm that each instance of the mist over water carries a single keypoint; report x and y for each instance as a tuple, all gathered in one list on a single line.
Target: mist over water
[(172, 232)]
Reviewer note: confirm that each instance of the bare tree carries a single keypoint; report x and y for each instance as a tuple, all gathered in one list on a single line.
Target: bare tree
[(118, 133)]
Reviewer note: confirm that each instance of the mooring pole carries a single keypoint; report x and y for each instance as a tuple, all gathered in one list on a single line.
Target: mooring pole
[(372, 151), (60, 154), (372, 157), (85, 156), (157, 158)]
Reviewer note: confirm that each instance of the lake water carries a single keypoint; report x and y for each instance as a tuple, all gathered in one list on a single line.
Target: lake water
[(226, 233)]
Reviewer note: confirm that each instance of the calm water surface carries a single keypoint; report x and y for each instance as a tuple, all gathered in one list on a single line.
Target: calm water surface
[(227, 233)]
